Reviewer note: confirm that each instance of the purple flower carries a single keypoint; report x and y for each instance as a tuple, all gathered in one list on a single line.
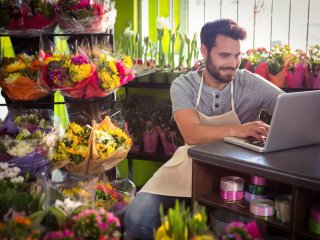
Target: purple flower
[(80, 59), (9, 126), (32, 163), (57, 77)]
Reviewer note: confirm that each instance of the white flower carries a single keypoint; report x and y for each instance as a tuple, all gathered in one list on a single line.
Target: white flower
[(18, 179), (163, 23), (128, 32), (101, 136), (21, 149), (25, 132), (67, 205), (4, 166)]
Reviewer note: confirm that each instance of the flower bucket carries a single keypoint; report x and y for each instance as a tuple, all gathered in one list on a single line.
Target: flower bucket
[(150, 141), (312, 81), (279, 79), (261, 69), (295, 79)]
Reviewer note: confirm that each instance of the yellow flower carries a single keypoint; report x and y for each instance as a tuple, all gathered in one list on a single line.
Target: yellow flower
[(15, 66), (127, 62), (113, 67), (12, 78), (161, 233), (80, 72)]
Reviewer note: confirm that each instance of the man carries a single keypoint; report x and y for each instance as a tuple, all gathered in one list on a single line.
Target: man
[(208, 104)]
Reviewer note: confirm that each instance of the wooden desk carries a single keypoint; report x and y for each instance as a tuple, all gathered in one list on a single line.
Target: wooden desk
[(295, 172)]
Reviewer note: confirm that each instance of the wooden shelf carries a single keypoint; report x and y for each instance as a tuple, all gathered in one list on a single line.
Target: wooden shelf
[(286, 172)]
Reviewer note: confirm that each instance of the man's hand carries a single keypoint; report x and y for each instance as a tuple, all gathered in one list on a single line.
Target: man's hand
[(256, 129)]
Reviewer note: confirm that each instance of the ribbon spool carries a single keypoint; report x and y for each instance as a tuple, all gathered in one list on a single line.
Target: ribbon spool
[(231, 184), (262, 207), (249, 196), (231, 196), (283, 207), (256, 180), (256, 189), (315, 213)]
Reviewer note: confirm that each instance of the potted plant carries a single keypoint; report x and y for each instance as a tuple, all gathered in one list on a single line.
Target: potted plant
[(180, 223), (277, 64), (297, 65), (313, 67), (256, 62)]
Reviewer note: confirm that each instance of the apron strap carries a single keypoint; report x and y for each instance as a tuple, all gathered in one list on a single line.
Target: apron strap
[(200, 90)]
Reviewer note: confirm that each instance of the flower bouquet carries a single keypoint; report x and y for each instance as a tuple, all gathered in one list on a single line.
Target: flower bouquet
[(257, 62), (297, 66), (110, 145), (68, 73), (18, 77), (73, 150), (27, 142), (33, 16), (313, 73), (114, 196), (111, 73), (85, 16), (277, 62)]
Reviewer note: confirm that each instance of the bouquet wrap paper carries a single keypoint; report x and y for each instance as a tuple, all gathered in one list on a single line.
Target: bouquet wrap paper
[(23, 88), (96, 164)]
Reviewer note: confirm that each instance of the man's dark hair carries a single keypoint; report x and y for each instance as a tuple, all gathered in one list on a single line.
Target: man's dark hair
[(226, 27)]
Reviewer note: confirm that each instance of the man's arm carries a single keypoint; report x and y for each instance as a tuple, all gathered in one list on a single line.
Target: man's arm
[(193, 132)]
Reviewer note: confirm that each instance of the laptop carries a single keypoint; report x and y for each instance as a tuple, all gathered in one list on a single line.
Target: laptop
[(295, 123)]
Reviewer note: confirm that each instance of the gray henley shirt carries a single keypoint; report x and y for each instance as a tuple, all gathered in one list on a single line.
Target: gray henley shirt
[(251, 94)]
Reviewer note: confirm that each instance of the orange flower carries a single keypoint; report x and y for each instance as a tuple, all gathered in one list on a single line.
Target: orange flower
[(21, 220)]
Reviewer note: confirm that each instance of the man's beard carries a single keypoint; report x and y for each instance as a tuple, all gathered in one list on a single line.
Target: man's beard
[(214, 72)]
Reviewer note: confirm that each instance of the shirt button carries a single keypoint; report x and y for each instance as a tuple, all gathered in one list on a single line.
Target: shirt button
[(216, 105), (217, 96)]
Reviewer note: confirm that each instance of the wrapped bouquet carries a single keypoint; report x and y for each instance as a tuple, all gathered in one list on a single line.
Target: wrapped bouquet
[(110, 145), (114, 196), (73, 151), (111, 73), (85, 16), (18, 77), (26, 142), (68, 73), (33, 16)]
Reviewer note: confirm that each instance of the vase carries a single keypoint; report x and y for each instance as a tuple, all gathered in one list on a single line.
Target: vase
[(279, 79), (295, 79)]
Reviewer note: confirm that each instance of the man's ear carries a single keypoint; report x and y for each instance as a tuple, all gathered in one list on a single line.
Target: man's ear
[(204, 51)]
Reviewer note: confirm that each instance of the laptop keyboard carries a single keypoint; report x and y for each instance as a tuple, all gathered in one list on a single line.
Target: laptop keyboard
[(254, 141)]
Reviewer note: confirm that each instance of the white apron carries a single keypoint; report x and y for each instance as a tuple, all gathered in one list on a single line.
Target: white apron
[(174, 178)]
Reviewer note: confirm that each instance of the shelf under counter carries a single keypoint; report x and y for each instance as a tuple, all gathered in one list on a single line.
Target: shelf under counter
[(242, 207)]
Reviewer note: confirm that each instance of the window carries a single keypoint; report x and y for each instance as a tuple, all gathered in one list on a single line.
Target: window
[(293, 22)]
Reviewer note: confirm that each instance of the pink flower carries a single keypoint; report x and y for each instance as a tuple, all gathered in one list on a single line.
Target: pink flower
[(253, 230), (82, 4)]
